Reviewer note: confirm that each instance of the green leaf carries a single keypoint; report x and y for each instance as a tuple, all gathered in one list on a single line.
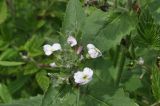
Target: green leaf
[(61, 95), (93, 24), (156, 83), (133, 83), (120, 99), (33, 101), (74, 17), (34, 45), (30, 69), (148, 32), (16, 85), (117, 25), (10, 63), (3, 11), (43, 80), (9, 54), (155, 10), (51, 95), (5, 94)]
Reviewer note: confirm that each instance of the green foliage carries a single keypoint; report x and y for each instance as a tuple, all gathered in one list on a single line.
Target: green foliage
[(42, 80), (5, 94), (122, 30), (74, 17), (3, 11), (156, 83), (10, 63)]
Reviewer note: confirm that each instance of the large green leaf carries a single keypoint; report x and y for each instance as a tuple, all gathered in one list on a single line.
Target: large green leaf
[(120, 99), (74, 17), (3, 11), (93, 24), (155, 10), (110, 32)]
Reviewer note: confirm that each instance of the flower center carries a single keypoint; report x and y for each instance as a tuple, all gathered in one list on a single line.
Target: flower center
[(85, 77)]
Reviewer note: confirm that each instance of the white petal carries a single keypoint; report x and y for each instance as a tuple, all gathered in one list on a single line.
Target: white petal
[(88, 72), (53, 65), (93, 53), (47, 49), (56, 47), (48, 53), (86, 81), (90, 46), (78, 77), (72, 41)]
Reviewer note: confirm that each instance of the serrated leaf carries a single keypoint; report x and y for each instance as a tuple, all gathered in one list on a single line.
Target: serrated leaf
[(10, 63), (117, 26), (3, 11), (74, 17), (156, 83), (120, 99)]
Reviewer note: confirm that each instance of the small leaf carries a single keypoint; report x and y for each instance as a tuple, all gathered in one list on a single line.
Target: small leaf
[(3, 11), (10, 63)]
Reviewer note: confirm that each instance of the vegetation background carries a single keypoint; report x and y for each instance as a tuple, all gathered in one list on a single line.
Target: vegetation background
[(125, 31)]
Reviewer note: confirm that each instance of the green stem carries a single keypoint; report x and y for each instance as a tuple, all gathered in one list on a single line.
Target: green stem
[(129, 4), (120, 68), (78, 94), (116, 56), (115, 3)]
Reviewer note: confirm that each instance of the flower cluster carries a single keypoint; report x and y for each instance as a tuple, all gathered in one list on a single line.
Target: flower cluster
[(80, 77)]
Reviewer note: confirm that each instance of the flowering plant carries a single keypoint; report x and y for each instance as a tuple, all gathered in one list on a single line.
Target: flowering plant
[(79, 53)]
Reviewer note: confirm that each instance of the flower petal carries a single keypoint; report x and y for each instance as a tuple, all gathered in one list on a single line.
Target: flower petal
[(47, 49), (90, 46), (72, 41), (53, 65), (88, 72), (56, 47)]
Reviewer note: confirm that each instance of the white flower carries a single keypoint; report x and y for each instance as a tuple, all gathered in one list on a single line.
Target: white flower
[(56, 47), (72, 41), (93, 51), (140, 61), (48, 49), (53, 65), (90, 46), (83, 77)]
